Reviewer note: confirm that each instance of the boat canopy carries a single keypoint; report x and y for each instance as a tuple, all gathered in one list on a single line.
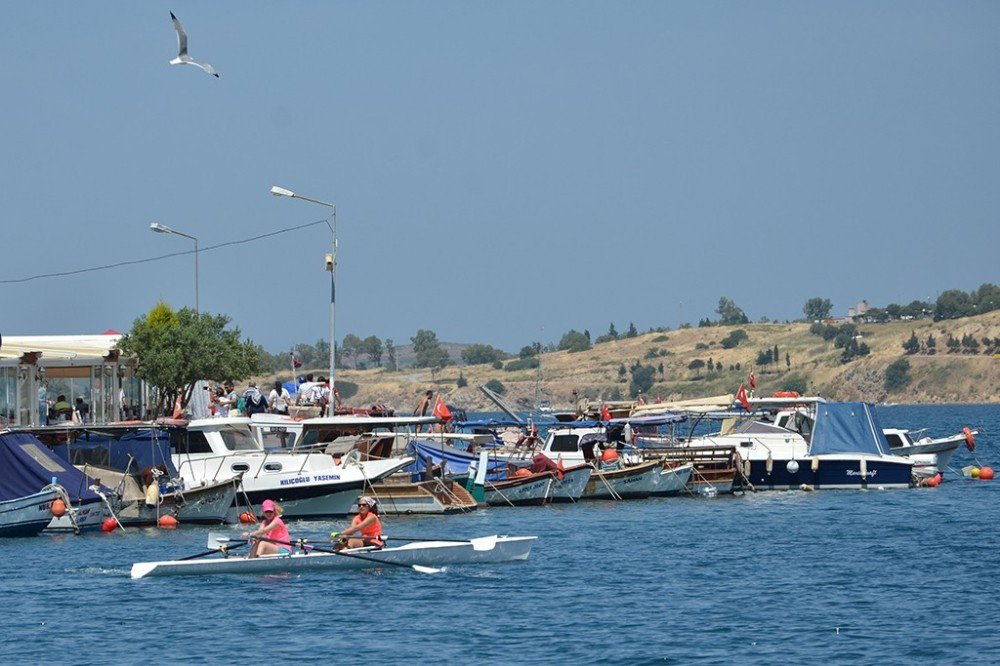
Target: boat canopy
[(657, 420), (28, 466), (495, 423), (847, 427)]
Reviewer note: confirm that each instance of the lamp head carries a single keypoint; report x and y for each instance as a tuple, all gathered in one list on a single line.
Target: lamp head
[(281, 192), (159, 228)]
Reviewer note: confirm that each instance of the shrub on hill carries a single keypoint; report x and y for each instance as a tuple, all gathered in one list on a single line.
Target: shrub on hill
[(897, 375)]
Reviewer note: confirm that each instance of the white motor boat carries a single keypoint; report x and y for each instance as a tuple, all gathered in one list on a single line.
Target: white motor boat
[(930, 456), (306, 485)]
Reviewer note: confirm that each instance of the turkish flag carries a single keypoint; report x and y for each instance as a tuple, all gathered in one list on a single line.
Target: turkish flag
[(441, 410), (605, 412), (753, 380), (741, 397)]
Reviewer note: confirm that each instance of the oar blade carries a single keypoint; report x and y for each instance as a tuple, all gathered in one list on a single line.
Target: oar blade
[(485, 543), (217, 540), (141, 569), (426, 570)]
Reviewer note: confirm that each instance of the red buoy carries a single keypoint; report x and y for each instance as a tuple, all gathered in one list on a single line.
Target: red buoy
[(109, 525), (986, 473), (168, 522), (248, 517), (934, 481), (970, 441), (58, 508)]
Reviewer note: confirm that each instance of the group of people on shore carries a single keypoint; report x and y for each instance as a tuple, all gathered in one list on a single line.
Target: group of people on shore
[(225, 400), (272, 537)]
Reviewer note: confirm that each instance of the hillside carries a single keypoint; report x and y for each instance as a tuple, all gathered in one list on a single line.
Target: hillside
[(814, 363)]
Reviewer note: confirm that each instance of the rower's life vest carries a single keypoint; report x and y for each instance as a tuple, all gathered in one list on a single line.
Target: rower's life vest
[(371, 530)]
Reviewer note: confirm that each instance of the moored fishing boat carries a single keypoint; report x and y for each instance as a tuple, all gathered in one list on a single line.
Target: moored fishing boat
[(28, 515), (673, 479), (632, 482), (421, 554), (528, 490)]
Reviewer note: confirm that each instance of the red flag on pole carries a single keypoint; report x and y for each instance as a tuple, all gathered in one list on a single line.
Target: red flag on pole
[(441, 410), (605, 412), (753, 380), (741, 397)]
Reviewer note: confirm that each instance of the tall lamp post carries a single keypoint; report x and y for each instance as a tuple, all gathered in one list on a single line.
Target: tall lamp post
[(331, 265), (163, 229)]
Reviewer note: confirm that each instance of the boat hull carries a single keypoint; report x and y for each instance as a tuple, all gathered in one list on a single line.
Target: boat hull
[(205, 505), (832, 472), (26, 516), (434, 553), (526, 491), (635, 482), (571, 487), (673, 480), (436, 497), (89, 516)]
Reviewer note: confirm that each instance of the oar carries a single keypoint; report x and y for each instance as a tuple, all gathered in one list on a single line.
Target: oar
[(216, 542), (480, 543), (415, 567)]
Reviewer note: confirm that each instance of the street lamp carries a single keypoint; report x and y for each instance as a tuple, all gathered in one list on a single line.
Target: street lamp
[(163, 229), (331, 265)]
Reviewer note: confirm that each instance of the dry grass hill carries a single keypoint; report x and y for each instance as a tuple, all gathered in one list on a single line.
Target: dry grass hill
[(814, 363)]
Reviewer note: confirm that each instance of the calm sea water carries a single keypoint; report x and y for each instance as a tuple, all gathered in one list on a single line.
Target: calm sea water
[(838, 576)]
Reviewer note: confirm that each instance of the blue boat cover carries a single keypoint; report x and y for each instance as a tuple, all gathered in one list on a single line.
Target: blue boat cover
[(847, 427), (27, 466), (130, 451)]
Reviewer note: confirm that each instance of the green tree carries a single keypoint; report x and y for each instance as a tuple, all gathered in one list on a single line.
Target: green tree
[(633, 332), (986, 298), (912, 345), (696, 365), (352, 347), (730, 313), (642, 379), (574, 341), (496, 386), (953, 304), (176, 349), (734, 339), (527, 351), (478, 354), (931, 344), (390, 356), (817, 309), (428, 351), (372, 346), (461, 382), (897, 375)]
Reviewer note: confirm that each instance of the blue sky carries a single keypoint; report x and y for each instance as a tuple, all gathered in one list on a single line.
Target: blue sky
[(503, 171)]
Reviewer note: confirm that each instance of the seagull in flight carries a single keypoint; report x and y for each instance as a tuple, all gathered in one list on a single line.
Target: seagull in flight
[(182, 50)]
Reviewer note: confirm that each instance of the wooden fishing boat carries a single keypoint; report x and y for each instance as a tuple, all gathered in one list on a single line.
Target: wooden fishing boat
[(436, 496), (573, 484), (532, 489), (673, 479), (422, 554), (632, 482)]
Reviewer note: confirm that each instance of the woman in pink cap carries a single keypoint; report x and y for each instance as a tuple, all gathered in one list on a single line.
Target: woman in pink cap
[(273, 528)]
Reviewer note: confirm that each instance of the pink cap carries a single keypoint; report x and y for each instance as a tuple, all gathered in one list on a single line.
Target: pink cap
[(268, 505)]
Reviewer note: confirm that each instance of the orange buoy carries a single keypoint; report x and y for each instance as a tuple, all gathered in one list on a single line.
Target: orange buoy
[(986, 473), (521, 472), (168, 522), (932, 482), (58, 508), (109, 525), (248, 517), (970, 441)]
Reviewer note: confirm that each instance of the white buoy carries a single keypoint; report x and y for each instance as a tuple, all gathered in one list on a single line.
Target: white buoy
[(792, 467), (864, 469), (815, 465), (769, 464)]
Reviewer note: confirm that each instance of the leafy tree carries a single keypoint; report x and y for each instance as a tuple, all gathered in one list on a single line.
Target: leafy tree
[(734, 338), (176, 349), (659, 369), (817, 309), (776, 357), (986, 298), (765, 357), (696, 365), (912, 345), (953, 304), (931, 344), (428, 351), (917, 309), (496, 386), (788, 361), (622, 372), (970, 344), (642, 379), (952, 343), (461, 382), (497, 365), (574, 341), (845, 334), (897, 375), (795, 383), (373, 347), (478, 354), (521, 364), (352, 347), (390, 356), (633, 332), (730, 313), (527, 351)]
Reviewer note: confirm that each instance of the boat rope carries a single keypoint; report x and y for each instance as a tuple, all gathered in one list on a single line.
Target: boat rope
[(70, 509), (500, 492), (456, 500), (607, 485)]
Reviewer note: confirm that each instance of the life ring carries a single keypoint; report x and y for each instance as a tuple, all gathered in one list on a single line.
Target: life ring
[(970, 441), (786, 394)]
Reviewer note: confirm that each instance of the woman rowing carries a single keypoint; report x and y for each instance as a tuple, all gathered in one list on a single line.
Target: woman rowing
[(273, 530), (366, 524)]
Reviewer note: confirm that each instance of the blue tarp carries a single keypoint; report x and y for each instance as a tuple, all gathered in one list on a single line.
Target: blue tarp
[(27, 466), (847, 427), (131, 450)]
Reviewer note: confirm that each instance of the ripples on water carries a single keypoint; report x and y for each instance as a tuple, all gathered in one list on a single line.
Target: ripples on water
[(839, 576)]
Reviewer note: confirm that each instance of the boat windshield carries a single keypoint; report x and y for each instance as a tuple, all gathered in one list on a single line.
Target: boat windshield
[(238, 439)]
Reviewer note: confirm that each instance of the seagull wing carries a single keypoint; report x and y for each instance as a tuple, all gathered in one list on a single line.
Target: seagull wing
[(203, 66), (182, 38)]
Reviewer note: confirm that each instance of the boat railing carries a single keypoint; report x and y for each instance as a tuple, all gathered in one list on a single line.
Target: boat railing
[(190, 463)]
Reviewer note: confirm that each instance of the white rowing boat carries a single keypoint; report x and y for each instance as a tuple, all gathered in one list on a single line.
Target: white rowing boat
[(418, 555)]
